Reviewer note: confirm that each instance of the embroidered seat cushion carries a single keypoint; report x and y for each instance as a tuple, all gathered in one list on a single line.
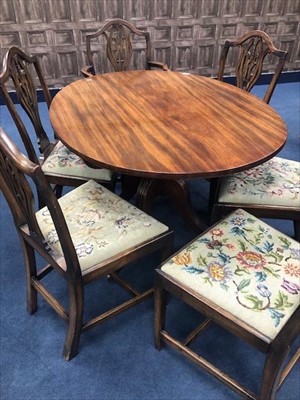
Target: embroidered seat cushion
[(246, 268), (101, 224), (276, 182), (62, 162)]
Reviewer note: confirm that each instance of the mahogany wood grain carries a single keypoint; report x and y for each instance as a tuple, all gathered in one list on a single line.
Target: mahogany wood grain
[(160, 124)]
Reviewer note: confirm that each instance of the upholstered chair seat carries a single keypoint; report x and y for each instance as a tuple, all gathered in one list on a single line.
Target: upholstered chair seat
[(63, 162), (244, 267), (243, 275), (101, 225), (270, 190), (276, 182)]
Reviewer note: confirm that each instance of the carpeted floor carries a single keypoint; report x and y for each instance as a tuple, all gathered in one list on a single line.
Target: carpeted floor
[(117, 360)]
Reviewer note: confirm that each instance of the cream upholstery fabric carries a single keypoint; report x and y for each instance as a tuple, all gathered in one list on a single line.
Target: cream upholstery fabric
[(101, 224), (246, 268), (63, 162), (276, 182)]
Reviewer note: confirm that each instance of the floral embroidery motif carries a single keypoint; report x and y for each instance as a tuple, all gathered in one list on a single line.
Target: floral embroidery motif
[(84, 249), (274, 182), (184, 258), (292, 269), (290, 287), (88, 217), (218, 272), (245, 262), (52, 237), (250, 259), (123, 222)]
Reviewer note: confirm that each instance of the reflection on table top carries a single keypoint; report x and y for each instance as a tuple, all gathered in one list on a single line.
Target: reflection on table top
[(161, 124)]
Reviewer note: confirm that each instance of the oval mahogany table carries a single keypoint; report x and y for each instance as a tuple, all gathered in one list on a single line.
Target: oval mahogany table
[(166, 127)]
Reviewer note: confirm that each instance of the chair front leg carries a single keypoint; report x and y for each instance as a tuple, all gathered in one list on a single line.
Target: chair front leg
[(272, 372), (159, 311), (76, 301)]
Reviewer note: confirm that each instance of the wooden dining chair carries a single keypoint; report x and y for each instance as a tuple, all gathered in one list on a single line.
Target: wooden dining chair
[(270, 190), (253, 49), (118, 37), (242, 275), (88, 234), (60, 165)]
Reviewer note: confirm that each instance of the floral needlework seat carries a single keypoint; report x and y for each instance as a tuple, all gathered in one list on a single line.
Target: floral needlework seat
[(63, 162), (276, 182), (101, 225), (246, 268)]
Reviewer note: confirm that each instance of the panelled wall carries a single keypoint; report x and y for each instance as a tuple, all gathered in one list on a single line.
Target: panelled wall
[(186, 34)]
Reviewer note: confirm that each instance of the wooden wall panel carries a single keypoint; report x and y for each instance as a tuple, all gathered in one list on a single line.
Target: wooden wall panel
[(186, 34)]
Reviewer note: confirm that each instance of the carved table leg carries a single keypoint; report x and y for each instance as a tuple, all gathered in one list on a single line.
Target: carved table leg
[(146, 193), (177, 191)]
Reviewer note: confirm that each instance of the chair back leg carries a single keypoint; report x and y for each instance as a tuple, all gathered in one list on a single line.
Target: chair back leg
[(297, 230), (31, 271)]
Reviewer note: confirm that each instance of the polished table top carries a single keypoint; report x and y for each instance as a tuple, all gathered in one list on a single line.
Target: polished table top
[(160, 124)]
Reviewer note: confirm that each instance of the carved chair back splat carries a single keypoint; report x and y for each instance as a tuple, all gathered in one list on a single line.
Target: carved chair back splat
[(61, 166), (253, 47), (118, 35), (20, 67)]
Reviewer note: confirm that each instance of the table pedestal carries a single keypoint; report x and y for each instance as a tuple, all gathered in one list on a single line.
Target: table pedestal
[(147, 190)]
